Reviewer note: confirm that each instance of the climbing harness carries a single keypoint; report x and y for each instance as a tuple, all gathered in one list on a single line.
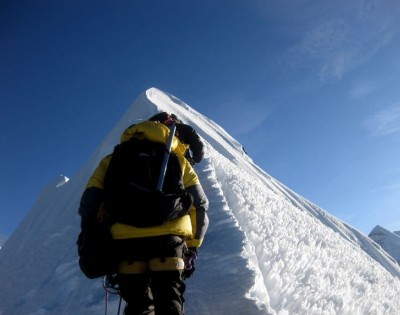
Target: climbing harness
[(110, 285)]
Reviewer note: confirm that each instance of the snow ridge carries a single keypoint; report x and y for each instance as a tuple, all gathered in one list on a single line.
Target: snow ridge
[(267, 251)]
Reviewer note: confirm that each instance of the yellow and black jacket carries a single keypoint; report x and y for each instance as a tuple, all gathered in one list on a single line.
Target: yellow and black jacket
[(192, 226)]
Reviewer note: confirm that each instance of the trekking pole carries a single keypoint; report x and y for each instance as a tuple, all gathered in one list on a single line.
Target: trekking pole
[(166, 157)]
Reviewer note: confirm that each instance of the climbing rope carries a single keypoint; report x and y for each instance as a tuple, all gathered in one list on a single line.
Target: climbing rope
[(110, 285)]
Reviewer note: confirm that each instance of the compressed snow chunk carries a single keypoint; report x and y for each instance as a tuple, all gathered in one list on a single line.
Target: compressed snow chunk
[(63, 180)]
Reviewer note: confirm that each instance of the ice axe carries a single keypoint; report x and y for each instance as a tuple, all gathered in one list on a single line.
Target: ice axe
[(160, 183)]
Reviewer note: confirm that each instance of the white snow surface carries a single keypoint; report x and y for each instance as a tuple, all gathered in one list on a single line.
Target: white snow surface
[(267, 250), (389, 241)]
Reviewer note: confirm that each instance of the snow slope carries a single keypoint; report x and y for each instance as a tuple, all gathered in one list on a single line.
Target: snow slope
[(389, 241), (267, 250), (3, 239)]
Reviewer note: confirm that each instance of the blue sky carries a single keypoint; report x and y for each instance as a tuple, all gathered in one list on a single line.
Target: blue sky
[(310, 88)]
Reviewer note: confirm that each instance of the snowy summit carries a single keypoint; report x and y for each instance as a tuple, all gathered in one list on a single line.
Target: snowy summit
[(267, 251)]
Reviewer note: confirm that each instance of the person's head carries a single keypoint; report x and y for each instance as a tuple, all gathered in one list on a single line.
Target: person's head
[(165, 118)]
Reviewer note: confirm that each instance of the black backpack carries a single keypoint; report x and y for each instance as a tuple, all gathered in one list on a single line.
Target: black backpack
[(130, 185)]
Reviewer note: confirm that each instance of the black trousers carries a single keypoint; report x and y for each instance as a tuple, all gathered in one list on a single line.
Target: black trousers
[(150, 275)]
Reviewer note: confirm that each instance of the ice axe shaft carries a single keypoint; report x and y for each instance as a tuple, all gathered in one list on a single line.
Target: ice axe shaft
[(164, 165)]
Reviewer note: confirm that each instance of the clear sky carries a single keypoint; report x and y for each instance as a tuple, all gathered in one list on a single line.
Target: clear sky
[(310, 88)]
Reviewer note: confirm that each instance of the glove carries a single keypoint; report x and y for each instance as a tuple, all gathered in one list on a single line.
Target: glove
[(189, 258)]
